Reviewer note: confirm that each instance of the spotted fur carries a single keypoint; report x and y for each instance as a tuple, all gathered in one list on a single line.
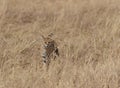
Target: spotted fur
[(50, 49)]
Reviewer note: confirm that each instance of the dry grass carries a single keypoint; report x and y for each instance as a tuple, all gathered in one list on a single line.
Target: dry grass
[(88, 34)]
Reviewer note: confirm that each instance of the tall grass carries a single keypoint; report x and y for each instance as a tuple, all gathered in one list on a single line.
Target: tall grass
[(88, 35)]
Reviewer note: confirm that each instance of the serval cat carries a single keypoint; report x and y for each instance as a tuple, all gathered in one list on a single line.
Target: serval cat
[(50, 49)]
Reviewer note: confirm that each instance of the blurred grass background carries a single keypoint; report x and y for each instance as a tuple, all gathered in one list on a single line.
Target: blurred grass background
[(88, 35)]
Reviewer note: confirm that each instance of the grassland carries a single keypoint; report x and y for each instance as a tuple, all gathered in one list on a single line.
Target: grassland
[(88, 35)]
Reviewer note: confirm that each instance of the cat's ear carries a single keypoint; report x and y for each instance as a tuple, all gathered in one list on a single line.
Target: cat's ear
[(42, 37), (50, 35)]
